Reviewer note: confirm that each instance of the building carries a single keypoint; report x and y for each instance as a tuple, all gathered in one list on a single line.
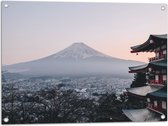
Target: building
[(155, 90)]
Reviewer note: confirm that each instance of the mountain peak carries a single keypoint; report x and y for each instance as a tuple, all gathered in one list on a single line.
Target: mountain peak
[(78, 50), (78, 43)]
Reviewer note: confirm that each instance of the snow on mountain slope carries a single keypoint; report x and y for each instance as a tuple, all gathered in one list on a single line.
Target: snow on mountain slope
[(78, 51), (77, 59)]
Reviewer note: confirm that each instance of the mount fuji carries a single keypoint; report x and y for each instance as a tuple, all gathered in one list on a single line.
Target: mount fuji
[(77, 59), (78, 51)]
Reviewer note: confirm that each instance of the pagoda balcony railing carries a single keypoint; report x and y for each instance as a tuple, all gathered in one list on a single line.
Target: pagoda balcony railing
[(164, 56), (158, 82)]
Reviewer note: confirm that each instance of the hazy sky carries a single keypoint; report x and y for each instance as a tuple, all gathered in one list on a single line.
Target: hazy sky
[(32, 30)]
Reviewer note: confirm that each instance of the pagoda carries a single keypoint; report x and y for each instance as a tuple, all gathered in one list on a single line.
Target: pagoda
[(154, 92)]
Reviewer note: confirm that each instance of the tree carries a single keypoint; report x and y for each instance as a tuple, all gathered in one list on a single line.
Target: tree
[(110, 109), (139, 80)]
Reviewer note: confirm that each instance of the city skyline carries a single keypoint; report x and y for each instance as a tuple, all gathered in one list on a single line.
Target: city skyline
[(33, 30)]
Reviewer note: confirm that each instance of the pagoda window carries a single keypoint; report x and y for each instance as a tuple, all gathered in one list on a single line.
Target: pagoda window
[(161, 54), (156, 77), (155, 104), (157, 54), (164, 52), (164, 77), (163, 105), (148, 99)]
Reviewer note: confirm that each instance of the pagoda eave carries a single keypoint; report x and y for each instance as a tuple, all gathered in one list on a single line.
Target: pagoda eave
[(143, 68), (141, 115), (150, 44), (159, 94), (136, 95), (138, 71), (142, 91)]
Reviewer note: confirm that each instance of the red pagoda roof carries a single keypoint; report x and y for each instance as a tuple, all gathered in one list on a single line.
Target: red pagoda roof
[(152, 43)]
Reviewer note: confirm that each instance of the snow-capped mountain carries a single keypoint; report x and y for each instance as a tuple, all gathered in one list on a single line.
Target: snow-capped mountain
[(78, 51), (77, 59)]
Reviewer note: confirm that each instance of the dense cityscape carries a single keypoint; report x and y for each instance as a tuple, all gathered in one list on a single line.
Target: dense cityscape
[(23, 96)]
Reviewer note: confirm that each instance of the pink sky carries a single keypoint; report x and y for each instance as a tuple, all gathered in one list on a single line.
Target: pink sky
[(33, 30)]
